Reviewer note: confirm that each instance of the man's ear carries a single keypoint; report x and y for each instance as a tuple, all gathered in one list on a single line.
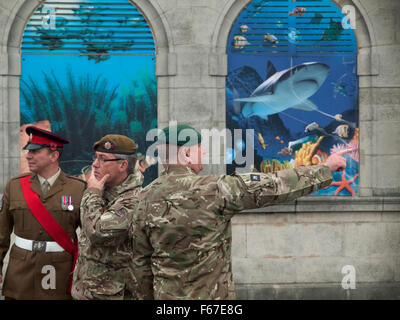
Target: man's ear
[(55, 156), (124, 165), (184, 155), (187, 152)]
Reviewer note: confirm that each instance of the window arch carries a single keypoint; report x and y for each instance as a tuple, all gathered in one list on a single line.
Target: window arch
[(88, 69), (292, 78)]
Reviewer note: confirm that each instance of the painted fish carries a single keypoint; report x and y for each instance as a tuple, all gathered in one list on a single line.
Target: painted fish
[(244, 28), (319, 157), (299, 11), (342, 131), (271, 38), (261, 140), (277, 138), (285, 152), (338, 117), (240, 42), (286, 89), (311, 127)]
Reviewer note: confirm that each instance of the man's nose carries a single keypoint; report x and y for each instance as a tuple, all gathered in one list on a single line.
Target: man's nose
[(96, 163)]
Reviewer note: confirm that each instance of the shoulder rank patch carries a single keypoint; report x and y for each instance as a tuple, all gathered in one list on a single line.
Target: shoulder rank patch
[(120, 213), (254, 177)]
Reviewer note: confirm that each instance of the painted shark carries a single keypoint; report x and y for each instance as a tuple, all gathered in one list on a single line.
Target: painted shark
[(286, 89)]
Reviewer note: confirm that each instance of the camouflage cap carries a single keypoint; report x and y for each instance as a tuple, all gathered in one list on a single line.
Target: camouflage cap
[(181, 134), (115, 143)]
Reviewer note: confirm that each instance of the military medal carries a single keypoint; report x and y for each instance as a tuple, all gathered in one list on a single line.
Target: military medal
[(70, 205), (64, 204)]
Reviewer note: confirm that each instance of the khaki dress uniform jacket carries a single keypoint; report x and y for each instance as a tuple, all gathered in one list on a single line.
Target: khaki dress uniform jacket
[(25, 272)]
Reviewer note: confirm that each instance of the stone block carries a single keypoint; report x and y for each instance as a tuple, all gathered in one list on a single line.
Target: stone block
[(260, 219), (373, 270), (12, 111), (204, 20), (162, 105), (273, 241), (385, 175), (192, 61), (387, 113), (338, 217), (371, 239), (11, 139), (181, 26), (320, 239), (218, 64), (384, 23), (366, 167), (239, 241), (391, 204), (192, 105), (389, 57), (366, 137), (386, 137), (260, 270), (378, 291), (320, 269)]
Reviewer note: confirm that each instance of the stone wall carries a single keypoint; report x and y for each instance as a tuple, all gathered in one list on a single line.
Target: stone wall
[(296, 250)]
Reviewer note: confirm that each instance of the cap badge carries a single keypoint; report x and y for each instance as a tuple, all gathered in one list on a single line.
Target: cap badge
[(30, 137), (108, 145)]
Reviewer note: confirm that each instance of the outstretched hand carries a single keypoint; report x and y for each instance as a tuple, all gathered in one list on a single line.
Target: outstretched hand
[(92, 182), (336, 161)]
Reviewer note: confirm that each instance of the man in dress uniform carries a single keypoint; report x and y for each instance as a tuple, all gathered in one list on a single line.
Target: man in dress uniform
[(181, 228), (43, 208), (104, 267)]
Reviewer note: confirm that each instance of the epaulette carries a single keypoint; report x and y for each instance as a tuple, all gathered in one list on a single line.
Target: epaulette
[(22, 175), (76, 178)]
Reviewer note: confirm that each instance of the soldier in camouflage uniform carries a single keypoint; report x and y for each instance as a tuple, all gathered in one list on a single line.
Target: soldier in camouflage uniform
[(104, 266), (181, 228)]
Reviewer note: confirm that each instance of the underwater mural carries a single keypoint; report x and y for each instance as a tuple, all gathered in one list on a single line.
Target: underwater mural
[(88, 70), (292, 78)]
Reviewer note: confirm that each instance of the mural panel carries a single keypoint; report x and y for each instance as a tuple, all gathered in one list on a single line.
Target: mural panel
[(293, 79), (88, 70)]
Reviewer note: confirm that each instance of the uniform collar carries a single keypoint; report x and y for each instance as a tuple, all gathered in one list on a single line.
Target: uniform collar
[(177, 169), (132, 181), (50, 180), (57, 186)]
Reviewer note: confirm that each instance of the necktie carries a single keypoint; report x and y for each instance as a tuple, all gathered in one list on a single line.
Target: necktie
[(45, 187)]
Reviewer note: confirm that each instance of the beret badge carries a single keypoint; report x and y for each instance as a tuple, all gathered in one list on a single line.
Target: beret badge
[(108, 145)]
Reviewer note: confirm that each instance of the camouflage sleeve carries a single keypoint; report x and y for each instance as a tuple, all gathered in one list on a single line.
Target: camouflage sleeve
[(106, 227), (6, 225), (257, 190), (142, 252)]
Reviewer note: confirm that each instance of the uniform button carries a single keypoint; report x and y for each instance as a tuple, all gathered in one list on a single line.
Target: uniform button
[(40, 232), (43, 200)]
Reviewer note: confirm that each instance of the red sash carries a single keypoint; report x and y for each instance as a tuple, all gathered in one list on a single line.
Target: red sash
[(48, 222)]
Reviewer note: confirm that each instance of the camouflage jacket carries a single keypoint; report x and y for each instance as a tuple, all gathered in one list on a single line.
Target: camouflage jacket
[(104, 266), (181, 228)]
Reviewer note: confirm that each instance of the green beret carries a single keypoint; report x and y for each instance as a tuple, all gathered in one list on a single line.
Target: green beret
[(115, 143), (181, 134)]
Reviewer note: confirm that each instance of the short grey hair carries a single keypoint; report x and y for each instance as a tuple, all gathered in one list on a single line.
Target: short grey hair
[(131, 158)]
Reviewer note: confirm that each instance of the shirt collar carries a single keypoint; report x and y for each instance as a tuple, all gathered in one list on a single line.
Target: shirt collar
[(50, 180)]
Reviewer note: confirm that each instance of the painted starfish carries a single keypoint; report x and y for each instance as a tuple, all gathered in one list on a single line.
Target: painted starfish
[(344, 184)]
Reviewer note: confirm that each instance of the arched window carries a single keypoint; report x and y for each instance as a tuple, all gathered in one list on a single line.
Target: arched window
[(87, 71), (292, 78)]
